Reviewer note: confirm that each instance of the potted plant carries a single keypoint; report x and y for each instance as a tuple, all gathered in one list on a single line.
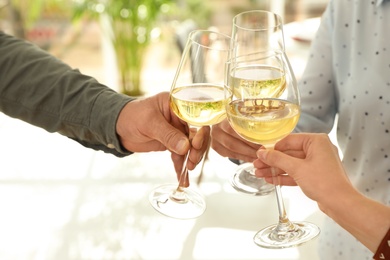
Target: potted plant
[(131, 23)]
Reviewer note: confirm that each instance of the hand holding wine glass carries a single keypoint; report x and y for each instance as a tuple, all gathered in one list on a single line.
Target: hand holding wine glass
[(197, 97), (263, 106)]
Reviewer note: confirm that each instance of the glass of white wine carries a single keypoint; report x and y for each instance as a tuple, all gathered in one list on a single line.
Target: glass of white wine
[(263, 106), (255, 31), (197, 97), (258, 75)]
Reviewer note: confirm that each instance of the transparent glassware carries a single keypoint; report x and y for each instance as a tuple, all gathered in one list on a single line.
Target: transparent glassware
[(254, 31), (263, 106), (257, 31), (197, 97), (245, 181)]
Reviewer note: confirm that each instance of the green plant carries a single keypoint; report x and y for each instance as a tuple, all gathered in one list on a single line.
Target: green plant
[(131, 23)]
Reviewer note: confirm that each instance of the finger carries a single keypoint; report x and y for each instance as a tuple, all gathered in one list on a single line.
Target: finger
[(301, 141), (266, 171), (200, 137), (239, 152), (284, 180), (200, 144), (293, 141), (173, 139), (168, 129), (294, 153), (226, 143), (228, 130), (178, 161), (278, 159)]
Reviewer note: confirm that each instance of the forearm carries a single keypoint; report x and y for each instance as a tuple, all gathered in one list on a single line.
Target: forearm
[(43, 91), (317, 86), (364, 218)]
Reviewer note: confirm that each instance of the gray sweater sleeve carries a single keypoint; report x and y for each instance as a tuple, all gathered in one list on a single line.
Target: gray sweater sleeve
[(41, 90)]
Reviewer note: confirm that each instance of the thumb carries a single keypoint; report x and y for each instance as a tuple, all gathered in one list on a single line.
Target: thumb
[(278, 159), (173, 139)]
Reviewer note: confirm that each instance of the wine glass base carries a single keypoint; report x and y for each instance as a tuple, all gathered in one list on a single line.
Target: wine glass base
[(190, 205), (303, 233), (244, 181)]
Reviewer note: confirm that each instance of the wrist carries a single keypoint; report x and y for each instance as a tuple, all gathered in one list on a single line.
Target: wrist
[(366, 219), (337, 205)]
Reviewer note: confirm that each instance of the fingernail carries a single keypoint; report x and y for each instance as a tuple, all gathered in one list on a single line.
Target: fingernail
[(261, 153), (181, 146)]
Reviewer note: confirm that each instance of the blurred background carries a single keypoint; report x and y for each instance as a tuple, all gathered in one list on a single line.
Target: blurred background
[(59, 200)]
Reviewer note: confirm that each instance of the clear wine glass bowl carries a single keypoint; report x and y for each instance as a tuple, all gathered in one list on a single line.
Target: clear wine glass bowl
[(257, 31)]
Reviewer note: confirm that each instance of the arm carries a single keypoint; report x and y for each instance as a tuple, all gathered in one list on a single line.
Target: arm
[(312, 162), (41, 90), (318, 86)]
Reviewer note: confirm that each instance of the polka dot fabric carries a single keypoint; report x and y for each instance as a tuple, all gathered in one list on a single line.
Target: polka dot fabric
[(348, 74)]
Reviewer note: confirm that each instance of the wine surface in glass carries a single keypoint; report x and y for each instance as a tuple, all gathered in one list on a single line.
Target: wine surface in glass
[(258, 81), (199, 104), (263, 121)]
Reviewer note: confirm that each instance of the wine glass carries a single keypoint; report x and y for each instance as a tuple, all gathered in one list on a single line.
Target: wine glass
[(257, 31), (254, 31), (263, 106), (197, 97)]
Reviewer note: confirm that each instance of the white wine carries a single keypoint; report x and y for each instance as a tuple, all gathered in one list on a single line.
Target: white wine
[(263, 121), (199, 104), (257, 81)]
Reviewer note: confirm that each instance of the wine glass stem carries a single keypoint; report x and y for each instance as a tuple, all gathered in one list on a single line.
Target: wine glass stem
[(284, 224), (279, 197)]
